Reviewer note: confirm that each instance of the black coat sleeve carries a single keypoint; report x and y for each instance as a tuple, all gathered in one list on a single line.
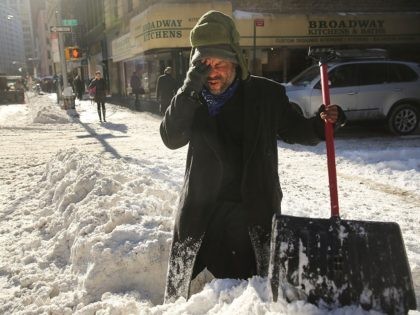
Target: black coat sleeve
[(175, 128), (295, 128)]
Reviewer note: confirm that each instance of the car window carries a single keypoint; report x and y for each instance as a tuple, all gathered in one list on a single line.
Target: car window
[(341, 76), (373, 73), (401, 73), (344, 75), (305, 77)]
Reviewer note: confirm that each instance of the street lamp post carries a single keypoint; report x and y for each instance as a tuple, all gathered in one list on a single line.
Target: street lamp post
[(61, 49)]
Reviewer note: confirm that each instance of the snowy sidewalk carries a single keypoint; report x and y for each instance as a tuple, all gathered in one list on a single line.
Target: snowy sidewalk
[(86, 211)]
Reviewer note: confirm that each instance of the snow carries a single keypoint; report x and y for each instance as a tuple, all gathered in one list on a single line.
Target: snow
[(86, 211)]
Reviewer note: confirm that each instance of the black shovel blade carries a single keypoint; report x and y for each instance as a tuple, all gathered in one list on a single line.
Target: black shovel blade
[(334, 262)]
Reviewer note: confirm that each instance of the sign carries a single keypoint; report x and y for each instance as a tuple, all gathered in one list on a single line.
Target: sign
[(66, 29), (330, 29), (165, 25), (259, 22), (70, 22)]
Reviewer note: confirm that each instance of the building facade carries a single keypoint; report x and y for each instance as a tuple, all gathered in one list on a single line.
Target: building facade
[(43, 40), (275, 35), (23, 12), (12, 51), (120, 36)]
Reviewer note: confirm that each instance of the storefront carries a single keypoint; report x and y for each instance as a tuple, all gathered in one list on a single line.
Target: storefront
[(159, 37), (275, 45)]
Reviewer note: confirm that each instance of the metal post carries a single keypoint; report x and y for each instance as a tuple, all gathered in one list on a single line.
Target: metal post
[(61, 48), (58, 84)]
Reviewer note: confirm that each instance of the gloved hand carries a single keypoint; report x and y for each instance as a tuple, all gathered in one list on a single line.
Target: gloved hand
[(195, 79), (334, 114)]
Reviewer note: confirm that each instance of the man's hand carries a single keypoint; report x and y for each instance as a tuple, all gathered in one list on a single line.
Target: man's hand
[(196, 77), (332, 114)]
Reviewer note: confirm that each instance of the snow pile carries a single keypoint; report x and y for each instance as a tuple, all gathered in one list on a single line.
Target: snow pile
[(49, 112), (107, 222), (49, 115), (110, 223)]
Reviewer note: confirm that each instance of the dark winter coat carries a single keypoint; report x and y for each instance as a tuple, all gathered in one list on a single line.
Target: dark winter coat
[(135, 84), (267, 116), (100, 86), (79, 87), (165, 90)]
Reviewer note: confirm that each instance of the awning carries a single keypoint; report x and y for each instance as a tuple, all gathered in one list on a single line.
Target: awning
[(273, 30), (168, 25)]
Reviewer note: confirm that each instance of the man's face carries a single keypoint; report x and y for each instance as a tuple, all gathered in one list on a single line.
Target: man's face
[(221, 76)]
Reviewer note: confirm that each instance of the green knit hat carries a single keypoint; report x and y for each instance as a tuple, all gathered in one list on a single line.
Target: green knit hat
[(215, 35)]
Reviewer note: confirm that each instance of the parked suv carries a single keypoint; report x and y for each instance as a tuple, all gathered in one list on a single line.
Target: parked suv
[(365, 89)]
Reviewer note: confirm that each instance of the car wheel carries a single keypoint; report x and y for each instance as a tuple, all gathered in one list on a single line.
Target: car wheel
[(403, 119)]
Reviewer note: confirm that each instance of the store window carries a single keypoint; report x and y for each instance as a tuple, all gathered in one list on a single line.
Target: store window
[(138, 66)]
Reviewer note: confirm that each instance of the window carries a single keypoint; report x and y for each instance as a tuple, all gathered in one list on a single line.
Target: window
[(373, 73), (342, 76), (129, 5), (305, 77), (401, 73)]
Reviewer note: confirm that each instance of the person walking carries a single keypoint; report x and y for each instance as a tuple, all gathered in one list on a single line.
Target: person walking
[(79, 87), (98, 84), (231, 121), (136, 87), (165, 89)]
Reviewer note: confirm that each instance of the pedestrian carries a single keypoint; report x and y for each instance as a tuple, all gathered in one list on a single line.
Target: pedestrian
[(136, 87), (231, 121), (165, 89), (98, 84), (79, 87)]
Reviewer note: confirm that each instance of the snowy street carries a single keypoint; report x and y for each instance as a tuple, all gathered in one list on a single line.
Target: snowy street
[(86, 211)]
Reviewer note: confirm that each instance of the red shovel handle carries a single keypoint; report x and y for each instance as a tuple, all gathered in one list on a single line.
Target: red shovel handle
[(329, 140)]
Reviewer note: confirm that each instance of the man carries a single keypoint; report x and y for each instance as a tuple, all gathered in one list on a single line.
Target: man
[(79, 87), (136, 87), (231, 121), (165, 89)]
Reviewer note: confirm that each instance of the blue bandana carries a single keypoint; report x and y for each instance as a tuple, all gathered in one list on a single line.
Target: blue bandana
[(215, 102)]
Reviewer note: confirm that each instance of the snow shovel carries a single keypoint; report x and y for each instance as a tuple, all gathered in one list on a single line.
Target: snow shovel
[(334, 262)]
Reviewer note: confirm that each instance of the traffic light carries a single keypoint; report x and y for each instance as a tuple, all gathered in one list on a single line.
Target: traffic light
[(76, 53), (73, 53)]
